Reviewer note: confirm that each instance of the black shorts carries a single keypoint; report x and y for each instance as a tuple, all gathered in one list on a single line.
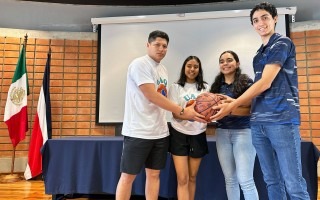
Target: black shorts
[(137, 152), (181, 144)]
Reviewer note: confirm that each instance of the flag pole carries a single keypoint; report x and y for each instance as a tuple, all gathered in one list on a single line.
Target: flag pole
[(14, 177), (25, 42), (14, 148), (42, 126), (12, 160)]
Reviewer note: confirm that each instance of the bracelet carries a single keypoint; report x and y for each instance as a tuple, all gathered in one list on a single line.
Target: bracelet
[(182, 111)]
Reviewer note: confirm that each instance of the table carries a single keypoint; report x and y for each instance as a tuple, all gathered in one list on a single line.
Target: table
[(90, 165)]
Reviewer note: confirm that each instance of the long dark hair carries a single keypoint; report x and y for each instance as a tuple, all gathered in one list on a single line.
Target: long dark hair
[(241, 81), (199, 79)]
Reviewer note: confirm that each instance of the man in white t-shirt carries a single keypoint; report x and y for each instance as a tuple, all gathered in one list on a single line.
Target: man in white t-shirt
[(145, 127)]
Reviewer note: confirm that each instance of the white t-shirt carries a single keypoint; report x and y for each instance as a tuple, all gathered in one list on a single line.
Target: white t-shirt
[(143, 119), (185, 96)]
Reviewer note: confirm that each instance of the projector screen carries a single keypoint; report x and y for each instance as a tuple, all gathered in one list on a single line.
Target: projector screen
[(205, 34)]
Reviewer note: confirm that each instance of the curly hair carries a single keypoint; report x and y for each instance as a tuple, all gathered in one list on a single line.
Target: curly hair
[(271, 9)]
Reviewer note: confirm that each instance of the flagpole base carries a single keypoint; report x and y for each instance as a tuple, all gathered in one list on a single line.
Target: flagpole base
[(10, 178)]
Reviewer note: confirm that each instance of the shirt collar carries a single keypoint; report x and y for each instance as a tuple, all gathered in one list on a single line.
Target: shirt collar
[(223, 81), (152, 61), (270, 42)]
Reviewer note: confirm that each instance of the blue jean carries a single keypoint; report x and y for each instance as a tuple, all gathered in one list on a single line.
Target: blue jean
[(279, 151), (237, 156)]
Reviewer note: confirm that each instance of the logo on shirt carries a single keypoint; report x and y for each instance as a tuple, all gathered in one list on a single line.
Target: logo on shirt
[(162, 86), (190, 99)]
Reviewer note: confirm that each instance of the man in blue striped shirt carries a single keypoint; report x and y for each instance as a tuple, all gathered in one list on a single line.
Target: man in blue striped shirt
[(275, 111)]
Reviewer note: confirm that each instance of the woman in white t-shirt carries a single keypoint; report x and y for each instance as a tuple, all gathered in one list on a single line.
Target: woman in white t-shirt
[(188, 142)]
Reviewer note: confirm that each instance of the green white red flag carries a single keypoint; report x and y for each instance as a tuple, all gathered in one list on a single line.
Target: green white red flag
[(16, 112)]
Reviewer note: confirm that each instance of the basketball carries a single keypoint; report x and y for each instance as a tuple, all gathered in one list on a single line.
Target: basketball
[(204, 102)]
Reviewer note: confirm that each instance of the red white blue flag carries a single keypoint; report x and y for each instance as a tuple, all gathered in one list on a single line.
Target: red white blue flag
[(42, 127)]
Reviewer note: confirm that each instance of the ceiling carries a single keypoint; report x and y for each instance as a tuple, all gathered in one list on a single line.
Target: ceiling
[(75, 15), (129, 2)]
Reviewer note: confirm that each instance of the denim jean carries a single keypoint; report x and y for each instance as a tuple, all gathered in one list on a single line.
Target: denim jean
[(237, 156), (279, 151)]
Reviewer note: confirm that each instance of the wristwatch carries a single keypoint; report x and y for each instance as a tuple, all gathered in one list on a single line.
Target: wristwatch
[(182, 111)]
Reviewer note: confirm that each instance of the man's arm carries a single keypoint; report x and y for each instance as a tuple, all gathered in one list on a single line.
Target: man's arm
[(156, 98), (268, 75)]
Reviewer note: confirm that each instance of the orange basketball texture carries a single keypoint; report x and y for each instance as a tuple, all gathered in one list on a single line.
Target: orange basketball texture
[(204, 102)]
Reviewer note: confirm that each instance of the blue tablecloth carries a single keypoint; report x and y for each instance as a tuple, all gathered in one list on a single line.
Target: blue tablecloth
[(90, 165)]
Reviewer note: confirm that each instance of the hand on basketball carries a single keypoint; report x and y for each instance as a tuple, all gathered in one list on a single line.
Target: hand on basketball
[(204, 103), (191, 114), (225, 98), (223, 110)]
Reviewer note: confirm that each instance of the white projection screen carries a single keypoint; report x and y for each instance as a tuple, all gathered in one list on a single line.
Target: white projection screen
[(204, 34)]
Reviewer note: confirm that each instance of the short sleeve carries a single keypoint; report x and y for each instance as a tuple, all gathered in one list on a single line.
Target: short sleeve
[(140, 73), (173, 93), (279, 51)]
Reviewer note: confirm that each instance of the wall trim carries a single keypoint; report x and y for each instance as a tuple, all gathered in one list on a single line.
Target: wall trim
[(20, 33), (305, 26)]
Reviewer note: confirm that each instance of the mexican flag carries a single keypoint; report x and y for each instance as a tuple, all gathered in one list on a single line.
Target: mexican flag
[(15, 114)]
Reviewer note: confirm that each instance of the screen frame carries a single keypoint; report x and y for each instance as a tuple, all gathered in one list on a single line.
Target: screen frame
[(176, 17)]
